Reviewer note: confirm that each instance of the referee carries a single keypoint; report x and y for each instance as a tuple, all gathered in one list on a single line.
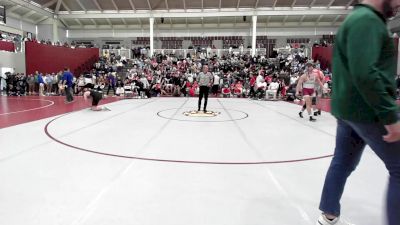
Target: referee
[(205, 79)]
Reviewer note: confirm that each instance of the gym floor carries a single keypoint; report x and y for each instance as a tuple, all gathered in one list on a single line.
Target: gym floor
[(146, 163)]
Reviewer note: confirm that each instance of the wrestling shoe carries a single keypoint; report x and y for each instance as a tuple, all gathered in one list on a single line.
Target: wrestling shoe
[(317, 113)]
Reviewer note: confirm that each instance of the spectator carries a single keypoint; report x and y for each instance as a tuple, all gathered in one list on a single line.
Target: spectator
[(41, 83), (81, 84), (31, 84), (67, 83), (55, 80), (49, 83), (216, 84), (111, 82), (272, 89), (3, 83)]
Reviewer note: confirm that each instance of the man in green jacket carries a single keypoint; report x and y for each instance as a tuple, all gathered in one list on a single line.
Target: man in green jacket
[(364, 103)]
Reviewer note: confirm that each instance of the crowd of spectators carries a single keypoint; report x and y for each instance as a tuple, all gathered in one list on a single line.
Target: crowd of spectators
[(234, 75), (167, 75), (73, 44), (5, 36)]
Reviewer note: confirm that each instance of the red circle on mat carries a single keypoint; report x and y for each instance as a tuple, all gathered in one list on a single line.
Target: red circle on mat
[(20, 107), (46, 130)]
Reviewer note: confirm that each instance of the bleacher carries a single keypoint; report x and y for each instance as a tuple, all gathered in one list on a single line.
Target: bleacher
[(229, 41), (264, 42), (171, 42), (202, 43), (141, 41)]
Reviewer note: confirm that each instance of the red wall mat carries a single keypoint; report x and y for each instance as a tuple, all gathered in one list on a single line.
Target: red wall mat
[(7, 46), (51, 59), (324, 55)]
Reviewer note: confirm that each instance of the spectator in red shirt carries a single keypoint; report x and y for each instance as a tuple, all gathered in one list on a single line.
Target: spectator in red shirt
[(238, 88)]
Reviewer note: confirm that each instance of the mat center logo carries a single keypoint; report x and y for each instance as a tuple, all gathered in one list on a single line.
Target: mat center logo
[(195, 113)]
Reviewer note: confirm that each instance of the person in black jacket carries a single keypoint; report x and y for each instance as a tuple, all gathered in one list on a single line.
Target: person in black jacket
[(96, 97)]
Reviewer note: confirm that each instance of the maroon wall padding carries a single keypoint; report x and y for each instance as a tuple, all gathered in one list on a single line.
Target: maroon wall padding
[(7, 46), (324, 55), (51, 59)]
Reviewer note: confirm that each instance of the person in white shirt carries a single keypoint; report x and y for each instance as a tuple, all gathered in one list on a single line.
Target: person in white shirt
[(120, 91), (89, 80), (215, 86), (205, 81), (293, 79), (208, 52), (301, 54), (3, 83), (260, 78), (81, 84), (54, 84), (75, 87), (190, 78), (202, 56), (260, 86), (272, 89), (241, 48), (49, 83), (145, 87)]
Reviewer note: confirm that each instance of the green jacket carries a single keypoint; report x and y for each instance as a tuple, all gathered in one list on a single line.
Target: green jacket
[(364, 69)]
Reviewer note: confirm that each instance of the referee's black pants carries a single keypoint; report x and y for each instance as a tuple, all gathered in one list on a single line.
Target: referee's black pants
[(203, 92)]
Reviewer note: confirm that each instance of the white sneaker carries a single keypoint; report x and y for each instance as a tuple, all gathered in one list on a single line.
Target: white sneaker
[(322, 220)]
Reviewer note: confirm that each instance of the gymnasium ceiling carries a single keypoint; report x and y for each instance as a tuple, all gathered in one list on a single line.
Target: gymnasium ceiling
[(97, 14)]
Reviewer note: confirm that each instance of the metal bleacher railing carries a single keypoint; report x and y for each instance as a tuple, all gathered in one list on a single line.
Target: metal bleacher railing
[(210, 52), (127, 53)]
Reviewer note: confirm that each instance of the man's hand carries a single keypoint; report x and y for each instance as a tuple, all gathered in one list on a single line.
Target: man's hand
[(393, 134)]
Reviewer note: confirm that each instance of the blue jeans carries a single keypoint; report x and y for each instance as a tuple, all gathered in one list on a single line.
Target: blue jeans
[(351, 139)]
